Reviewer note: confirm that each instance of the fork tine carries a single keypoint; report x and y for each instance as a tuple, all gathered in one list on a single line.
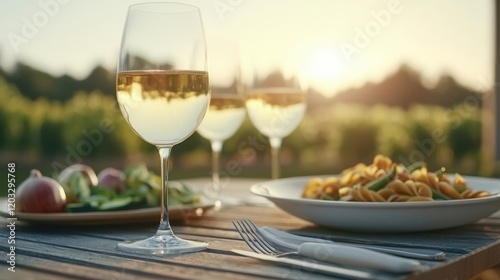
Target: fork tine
[(269, 249), (248, 231), (253, 228), (246, 237), (249, 238)]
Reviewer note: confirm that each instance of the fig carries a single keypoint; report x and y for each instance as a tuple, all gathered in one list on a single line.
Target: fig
[(113, 179), (77, 180), (39, 194), (87, 172)]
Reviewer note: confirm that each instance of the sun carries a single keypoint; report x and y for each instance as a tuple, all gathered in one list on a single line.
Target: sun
[(323, 69)]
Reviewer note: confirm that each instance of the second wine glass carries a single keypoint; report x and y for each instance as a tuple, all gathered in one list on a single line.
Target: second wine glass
[(275, 105), (224, 117), (227, 106)]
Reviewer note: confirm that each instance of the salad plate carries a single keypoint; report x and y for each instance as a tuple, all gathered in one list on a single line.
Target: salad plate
[(389, 217), (143, 215)]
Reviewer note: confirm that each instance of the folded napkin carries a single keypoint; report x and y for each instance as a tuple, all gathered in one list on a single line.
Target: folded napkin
[(290, 241)]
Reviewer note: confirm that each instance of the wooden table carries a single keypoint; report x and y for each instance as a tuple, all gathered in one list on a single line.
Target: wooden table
[(88, 252)]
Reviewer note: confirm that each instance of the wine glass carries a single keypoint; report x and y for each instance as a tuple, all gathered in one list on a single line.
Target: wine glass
[(227, 106), (163, 93), (224, 117), (275, 105)]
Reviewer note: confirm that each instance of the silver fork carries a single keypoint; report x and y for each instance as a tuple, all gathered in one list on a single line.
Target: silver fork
[(262, 247), (333, 253), (291, 241)]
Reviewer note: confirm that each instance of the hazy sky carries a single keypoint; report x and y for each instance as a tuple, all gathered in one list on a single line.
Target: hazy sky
[(333, 44)]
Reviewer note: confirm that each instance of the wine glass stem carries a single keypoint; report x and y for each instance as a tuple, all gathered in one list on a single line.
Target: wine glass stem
[(275, 159), (164, 226), (216, 149)]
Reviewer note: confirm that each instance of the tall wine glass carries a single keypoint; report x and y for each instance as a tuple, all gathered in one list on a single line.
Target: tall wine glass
[(163, 93), (224, 117), (275, 105), (227, 106)]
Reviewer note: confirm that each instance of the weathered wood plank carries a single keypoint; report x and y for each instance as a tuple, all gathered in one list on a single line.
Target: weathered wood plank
[(228, 239), (34, 268), (270, 216), (464, 268), (147, 269), (26, 273), (210, 264), (218, 252)]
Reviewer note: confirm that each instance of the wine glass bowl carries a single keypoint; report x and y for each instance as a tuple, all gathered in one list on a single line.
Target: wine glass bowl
[(163, 93), (225, 115), (276, 111), (157, 105)]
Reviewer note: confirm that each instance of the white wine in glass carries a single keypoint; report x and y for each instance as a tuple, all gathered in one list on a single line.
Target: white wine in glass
[(276, 112), (225, 115), (157, 105), (163, 93)]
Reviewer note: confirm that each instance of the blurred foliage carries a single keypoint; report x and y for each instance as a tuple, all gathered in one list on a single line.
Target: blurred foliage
[(423, 132), (90, 125), (35, 83)]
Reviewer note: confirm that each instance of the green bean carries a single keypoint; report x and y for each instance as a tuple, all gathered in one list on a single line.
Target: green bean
[(414, 166), (437, 195), (381, 182), (440, 172), (327, 197)]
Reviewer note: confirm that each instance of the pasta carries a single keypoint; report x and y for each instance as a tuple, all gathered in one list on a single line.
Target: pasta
[(386, 181)]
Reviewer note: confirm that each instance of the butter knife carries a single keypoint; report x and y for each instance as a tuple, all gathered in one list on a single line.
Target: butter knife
[(345, 273)]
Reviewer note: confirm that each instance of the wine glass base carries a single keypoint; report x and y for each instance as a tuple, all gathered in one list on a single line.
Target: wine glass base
[(165, 244)]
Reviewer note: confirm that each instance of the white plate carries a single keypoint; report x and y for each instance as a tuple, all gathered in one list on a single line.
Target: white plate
[(178, 212), (381, 216)]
